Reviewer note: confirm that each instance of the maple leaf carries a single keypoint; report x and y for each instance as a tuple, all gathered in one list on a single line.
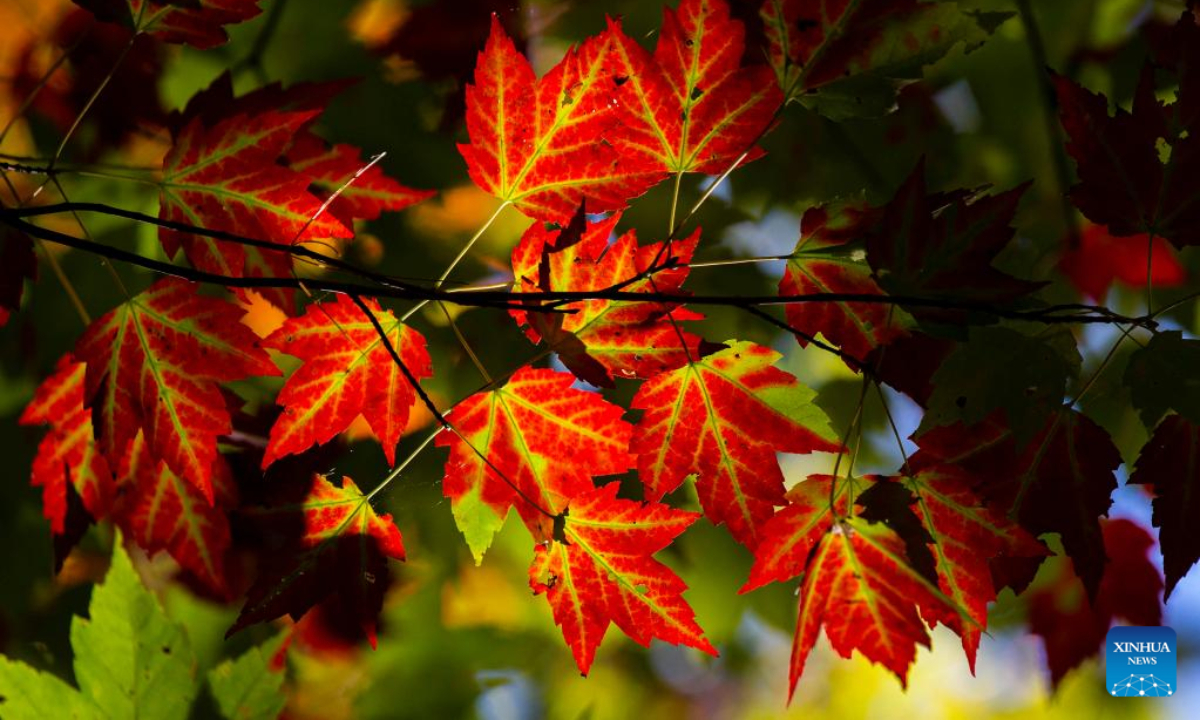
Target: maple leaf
[(1127, 179), (536, 442), (909, 363), (1170, 464), (846, 58), (154, 364), (225, 177), (965, 538), (723, 418), (1160, 377), (329, 168), (627, 339), (788, 538), (131, 660), (195, 22), (322, 540), (218, 102), (161, 511), (348, 370), (1068, 463), (69, 453), (1102, 259), (828, 260), (691, 107), (944, 243), (250, 687), (1025, 375), (1073, 628), (601, 570), (546, 145), (858, 585)]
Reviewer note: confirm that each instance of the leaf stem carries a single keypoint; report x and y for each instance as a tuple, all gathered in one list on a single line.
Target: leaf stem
[(855, 420), (470, 244), (674, 202), (87, 106), (462, 340), (1126, 332)]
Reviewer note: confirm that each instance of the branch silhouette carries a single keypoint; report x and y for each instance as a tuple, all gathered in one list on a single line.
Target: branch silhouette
[(370, 283)]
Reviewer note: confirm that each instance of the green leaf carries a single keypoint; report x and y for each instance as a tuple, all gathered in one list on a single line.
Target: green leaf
[(1001, 368), (130, 659), (248, 688), (1161, 376), (29, 694)]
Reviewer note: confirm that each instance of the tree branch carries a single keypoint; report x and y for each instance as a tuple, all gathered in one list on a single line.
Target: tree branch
[(537, 301)]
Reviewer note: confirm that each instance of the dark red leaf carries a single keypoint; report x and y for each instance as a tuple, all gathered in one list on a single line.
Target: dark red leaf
[(1073, 628), (1170, 465), (1069, 463)]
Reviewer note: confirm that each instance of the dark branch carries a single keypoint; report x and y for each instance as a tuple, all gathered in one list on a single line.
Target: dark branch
[(408, 376), (539, 301)]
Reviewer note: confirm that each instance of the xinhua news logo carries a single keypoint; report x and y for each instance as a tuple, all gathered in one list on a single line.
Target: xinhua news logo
[(1140, 662)]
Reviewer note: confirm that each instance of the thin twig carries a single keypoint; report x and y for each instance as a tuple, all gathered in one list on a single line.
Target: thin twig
[(555, 301)]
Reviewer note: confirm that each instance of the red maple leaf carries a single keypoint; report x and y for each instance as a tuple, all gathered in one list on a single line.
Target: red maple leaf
[(859, 585), (723, 418), (1170, 464), (1101, 259), (1068, 463), (348, 370), (858, 579), (195, 22), (161, 511), (320, 541), (155, 364), (226, 177), (788, 538), (535, 443), (1072, 627), (68, 453), (330, 168), (965, 538), (628, 339), (691, 106), (828, 260), (601, 570), (546, 145)]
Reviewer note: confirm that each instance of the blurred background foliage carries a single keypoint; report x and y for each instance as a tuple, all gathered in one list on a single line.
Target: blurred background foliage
[(462, 641)]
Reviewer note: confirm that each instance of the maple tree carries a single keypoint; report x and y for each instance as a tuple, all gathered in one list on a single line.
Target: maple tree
[(610, 379)]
